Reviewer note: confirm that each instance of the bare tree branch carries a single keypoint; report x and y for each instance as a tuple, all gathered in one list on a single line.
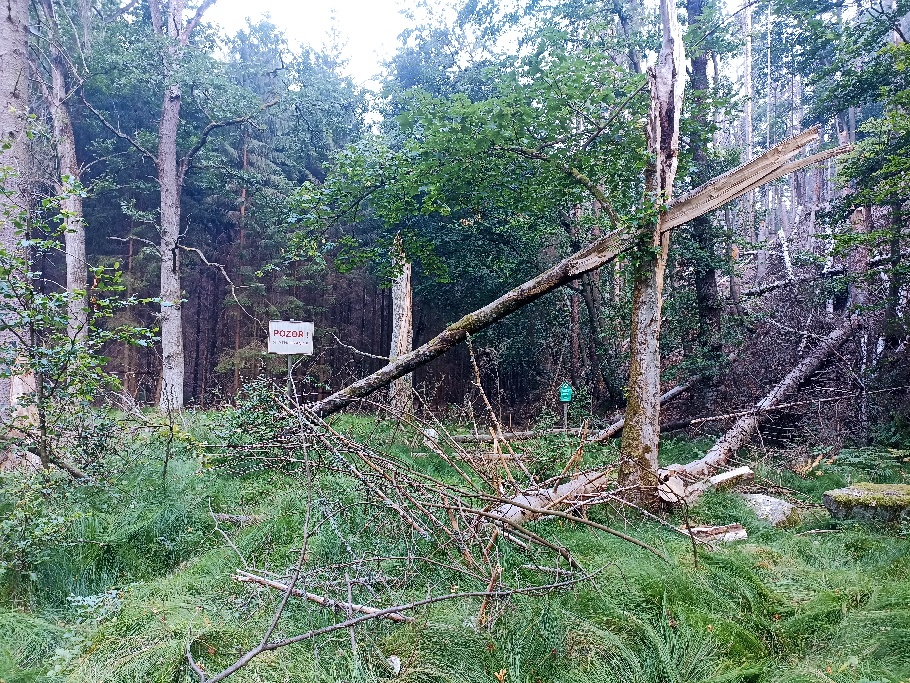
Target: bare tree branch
[(119, 133)]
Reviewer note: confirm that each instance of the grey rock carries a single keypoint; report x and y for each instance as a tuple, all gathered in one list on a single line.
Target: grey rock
[(773, 510)]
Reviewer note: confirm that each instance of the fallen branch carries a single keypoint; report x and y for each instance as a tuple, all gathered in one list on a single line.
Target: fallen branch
[(777, 284), (268, 645), (666, 397), (769, 166), (247, 577), (608, 432), (746, 426)]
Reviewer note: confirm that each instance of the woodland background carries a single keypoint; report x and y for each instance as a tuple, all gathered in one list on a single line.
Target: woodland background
[(298, 184), (174, 507)]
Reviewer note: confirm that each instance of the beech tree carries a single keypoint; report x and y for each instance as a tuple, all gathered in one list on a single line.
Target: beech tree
[(58, 89)]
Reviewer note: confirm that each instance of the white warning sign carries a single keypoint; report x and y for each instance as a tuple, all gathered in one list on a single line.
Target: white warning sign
[(290, 336)]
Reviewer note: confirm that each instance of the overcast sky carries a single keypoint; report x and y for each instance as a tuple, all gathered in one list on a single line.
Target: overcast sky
[(369, 27)]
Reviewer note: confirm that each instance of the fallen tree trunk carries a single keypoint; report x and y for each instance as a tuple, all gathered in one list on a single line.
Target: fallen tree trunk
[(747, 425), (769, 166), (517, 511), (777, 284)]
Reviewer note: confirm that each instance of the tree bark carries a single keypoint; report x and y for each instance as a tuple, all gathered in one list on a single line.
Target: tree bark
[(641, 434), (69, 178), (894, 329), (401, 401), (774, 164), (703, 231), (13, 152), (172, 352), (175, 33), (858, 260)]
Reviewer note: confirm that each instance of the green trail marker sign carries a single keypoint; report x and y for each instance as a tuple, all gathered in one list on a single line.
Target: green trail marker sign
[(565, 395)]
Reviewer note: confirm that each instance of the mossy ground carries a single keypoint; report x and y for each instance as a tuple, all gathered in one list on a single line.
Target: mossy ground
[(140, 570)]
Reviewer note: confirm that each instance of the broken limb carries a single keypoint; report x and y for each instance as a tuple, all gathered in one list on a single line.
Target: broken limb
[(614, 428), (268, 645), (666, 397), (246, 577), (765, 168)]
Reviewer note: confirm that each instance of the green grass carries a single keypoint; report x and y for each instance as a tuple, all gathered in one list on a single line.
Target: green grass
[(785, 605)]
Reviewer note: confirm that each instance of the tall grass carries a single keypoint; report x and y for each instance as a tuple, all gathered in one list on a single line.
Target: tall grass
[(141, 572)]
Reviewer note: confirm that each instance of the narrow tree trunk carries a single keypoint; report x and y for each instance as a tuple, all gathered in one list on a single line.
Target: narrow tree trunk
[(574, 340), (592, 304), (706, 295), (172, 353), (74, 237), (69, 174), (858, 260), (14, 16), (401, 401), (638, 467), (894, 329), (170, 27)]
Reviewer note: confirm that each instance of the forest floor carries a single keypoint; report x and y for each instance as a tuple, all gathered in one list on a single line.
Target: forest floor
[(115, 576)]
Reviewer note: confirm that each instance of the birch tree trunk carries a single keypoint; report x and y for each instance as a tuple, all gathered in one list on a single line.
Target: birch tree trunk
[(638, 467), (13, 153), (401, 401)]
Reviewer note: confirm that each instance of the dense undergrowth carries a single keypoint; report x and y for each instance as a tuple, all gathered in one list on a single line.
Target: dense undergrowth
[(109, 581)]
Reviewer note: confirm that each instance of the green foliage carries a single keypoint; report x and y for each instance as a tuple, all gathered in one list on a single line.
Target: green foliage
[(28, 529), (879, 163), (62, 370)]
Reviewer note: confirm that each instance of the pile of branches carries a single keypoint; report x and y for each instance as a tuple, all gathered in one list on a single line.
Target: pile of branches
[(459, 521)]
